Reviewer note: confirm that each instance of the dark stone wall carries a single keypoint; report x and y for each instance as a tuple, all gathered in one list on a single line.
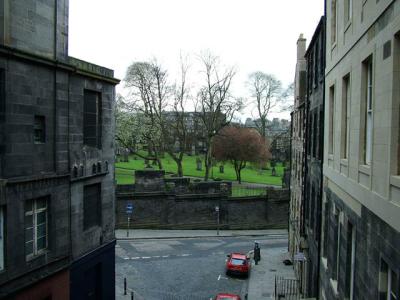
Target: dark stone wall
[(95, 165), (53, 287), (167, 210), (29, 92), (314, 139), (149, 180), (29, 170), (16, 265), (33, 26), (375, 240), (94, 274), (42, 80)]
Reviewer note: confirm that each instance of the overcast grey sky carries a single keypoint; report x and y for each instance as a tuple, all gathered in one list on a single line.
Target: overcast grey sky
[(250, 34)]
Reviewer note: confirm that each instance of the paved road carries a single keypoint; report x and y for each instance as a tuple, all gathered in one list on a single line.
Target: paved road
[(177, 269)]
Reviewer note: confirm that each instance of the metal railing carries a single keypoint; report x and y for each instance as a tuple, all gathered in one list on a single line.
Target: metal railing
[(286, 288), (248, 191)]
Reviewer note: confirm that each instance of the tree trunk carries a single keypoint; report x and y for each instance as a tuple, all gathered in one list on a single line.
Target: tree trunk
[(207, 166), (159, 163), (237, 171), (207, 160), (180, 168)]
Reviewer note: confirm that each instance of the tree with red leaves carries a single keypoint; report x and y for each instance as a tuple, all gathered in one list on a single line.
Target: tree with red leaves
[(240, 146)]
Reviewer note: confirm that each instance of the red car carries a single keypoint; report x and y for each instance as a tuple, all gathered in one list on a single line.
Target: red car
[(227, 297), (238, 264)]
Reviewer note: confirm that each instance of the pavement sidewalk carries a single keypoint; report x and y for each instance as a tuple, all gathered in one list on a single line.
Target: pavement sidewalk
[(134, 234), (262, 278), (261, 283)]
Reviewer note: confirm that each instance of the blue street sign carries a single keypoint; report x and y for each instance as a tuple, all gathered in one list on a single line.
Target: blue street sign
[(129, 208)]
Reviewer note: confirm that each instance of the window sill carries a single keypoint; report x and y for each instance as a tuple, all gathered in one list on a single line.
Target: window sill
[(344, 162), (89, 176), (32, 257), (365, 169), (330, 156), (334, 285), (324, 261), (347, 26), (395, 180)]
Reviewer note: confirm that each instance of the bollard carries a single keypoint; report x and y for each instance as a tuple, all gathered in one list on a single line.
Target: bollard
[(124, 286), (132, 296)]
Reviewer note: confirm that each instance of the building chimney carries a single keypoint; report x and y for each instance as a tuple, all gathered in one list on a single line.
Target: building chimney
[(301, 47)]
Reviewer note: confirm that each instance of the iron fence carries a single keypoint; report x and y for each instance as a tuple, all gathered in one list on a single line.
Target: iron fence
[(248, 191), (286, 288)]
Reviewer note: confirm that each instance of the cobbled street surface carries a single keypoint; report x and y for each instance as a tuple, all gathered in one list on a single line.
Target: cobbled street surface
[(180, 269)]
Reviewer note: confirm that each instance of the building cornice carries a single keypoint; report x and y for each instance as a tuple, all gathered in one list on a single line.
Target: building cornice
[(73, 65)]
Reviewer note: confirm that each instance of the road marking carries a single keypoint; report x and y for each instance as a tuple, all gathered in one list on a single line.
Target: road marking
[(137, 257), (126, 258), (185, 255), (157, 256), (165, 256), (219, 277), (146, 257)]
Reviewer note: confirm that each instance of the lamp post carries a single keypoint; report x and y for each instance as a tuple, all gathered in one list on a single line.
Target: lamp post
[(217, 211)]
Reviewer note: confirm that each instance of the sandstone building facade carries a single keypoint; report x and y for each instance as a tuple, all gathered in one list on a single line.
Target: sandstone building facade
[(360, 254), (296, 240)]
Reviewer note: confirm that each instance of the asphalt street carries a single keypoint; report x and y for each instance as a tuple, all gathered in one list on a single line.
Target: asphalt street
[(177, 269)]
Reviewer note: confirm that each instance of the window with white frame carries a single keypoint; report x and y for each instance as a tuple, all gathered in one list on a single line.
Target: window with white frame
[(345, 134), (331, 118), (368, 108), (2, 239), (396, 106), (348, 11), (36, 226), (369, 115), (388, 282), (333, 21)]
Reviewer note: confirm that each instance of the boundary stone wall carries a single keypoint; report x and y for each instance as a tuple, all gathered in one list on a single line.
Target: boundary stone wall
[(167, 210)]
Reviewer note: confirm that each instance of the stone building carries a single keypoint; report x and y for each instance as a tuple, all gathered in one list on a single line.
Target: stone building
[(361, 200), (56, 160), (297, 160), (314, 136)]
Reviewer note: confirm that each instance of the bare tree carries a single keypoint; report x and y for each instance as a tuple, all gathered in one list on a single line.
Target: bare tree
[(288, 98), (149, 91), (175, 123), (160, 110), (265, 91), (215, 105)]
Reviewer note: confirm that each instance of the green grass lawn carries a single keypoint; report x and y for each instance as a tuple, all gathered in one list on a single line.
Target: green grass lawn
[(124, 171)]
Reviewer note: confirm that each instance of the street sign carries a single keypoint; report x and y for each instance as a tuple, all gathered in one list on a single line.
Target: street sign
[(129, 208), (299, 256)]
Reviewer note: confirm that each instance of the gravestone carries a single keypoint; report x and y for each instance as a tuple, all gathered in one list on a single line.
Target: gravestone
[(149, 180), (199, 164), (221, 168)]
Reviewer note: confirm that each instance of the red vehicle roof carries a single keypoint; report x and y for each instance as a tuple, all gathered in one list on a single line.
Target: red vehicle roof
[(227, 296), (238, 255)]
